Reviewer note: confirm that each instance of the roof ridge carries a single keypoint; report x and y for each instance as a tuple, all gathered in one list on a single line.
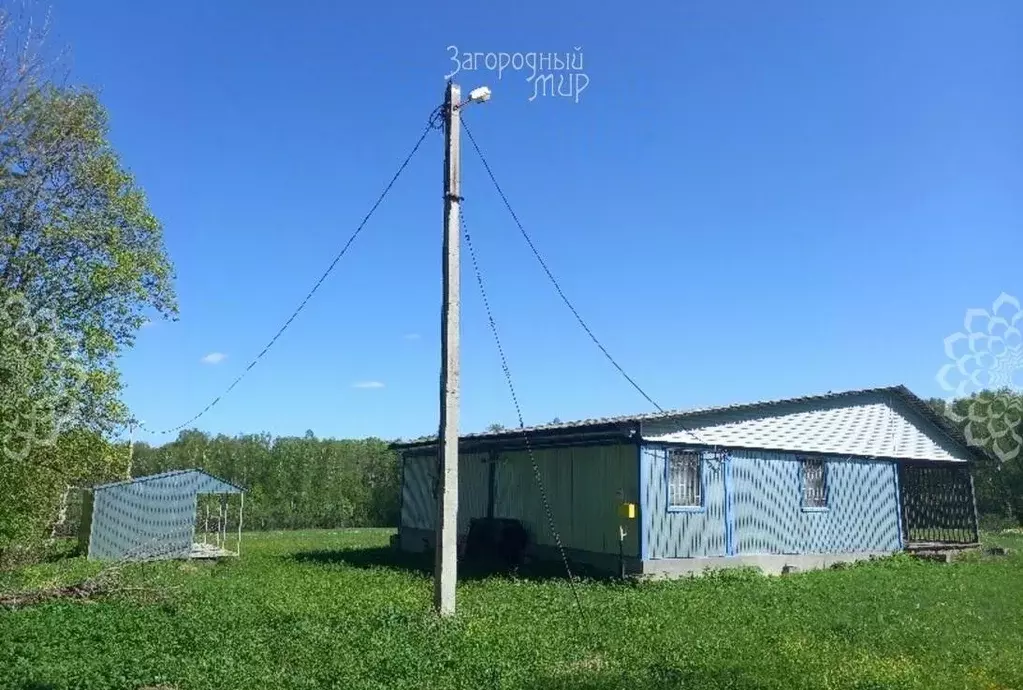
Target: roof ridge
[(164, 475), (900, 389)]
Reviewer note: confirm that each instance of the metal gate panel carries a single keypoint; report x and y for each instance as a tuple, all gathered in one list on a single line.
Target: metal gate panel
[(937, 504)]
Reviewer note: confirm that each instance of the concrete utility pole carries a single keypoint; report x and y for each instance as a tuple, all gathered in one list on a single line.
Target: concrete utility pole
[(446, 560)]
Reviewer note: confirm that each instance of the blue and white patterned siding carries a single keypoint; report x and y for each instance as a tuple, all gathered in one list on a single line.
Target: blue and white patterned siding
[(768, 518), (147, 518), (753, 505), (689, 534), (870, 425)]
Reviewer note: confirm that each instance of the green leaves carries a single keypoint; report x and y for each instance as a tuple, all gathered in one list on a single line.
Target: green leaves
[(33, 486), (77, 235), (42, 386), (82, 265)]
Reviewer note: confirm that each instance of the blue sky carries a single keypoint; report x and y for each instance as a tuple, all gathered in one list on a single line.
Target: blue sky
[(749, 200)]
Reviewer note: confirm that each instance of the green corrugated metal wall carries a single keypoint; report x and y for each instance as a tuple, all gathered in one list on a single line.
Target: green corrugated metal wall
[(418, 497), (418, 501), (585, 486), (473, 480)]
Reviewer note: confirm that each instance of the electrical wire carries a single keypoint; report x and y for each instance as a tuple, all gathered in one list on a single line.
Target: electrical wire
[(435, 122), (549, 513), (550, 276)]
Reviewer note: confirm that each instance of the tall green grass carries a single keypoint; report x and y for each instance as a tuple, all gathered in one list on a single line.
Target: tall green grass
[(330, 610)]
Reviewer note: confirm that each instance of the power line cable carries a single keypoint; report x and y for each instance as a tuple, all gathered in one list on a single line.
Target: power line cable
[(549, 513), (550, 276), (554, 281), (435, 122)]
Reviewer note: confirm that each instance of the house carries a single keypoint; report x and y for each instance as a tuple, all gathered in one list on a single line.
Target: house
[(156, 517), (804, 482)]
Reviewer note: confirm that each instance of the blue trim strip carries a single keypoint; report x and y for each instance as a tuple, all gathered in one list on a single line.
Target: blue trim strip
[(809, 454), (730, 549)]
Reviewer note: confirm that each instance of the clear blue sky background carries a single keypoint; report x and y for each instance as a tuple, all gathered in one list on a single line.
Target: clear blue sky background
[(750, 200)]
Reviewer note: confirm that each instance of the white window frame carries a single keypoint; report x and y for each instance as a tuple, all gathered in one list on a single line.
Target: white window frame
[(685, 480)]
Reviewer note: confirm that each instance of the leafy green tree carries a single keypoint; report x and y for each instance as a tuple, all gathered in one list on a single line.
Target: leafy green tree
[(33, 491), (82, 266), (77, 237)]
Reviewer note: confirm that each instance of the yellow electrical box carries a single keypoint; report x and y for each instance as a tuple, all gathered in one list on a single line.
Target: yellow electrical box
[(627, 511)]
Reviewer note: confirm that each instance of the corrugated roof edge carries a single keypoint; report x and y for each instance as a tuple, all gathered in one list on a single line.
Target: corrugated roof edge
[(168, 473), (902, 392)]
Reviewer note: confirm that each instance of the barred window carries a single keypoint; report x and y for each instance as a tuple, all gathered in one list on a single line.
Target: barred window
[(815, 488), (685, 485)]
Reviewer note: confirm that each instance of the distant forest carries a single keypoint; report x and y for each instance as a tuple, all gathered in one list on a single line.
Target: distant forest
[(290, 482)]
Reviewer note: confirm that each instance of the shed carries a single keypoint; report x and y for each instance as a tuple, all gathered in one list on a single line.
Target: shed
[(802, 482), (156, 517)]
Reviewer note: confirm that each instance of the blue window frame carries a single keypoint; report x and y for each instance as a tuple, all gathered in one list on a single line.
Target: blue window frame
[(813, 474), (686, 490)]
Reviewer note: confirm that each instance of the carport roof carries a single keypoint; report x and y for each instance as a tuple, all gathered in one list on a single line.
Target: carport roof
[(206, 483)]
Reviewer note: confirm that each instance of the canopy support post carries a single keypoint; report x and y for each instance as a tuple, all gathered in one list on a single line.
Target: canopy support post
[(241, 511)]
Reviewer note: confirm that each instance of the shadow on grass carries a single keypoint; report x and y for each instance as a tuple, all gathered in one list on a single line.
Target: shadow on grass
[(422, 563)]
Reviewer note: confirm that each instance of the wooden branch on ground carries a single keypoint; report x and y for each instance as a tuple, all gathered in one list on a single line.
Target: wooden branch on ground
[(106, 582)]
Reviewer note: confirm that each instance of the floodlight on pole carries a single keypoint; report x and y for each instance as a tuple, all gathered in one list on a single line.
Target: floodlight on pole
[(478, 95)]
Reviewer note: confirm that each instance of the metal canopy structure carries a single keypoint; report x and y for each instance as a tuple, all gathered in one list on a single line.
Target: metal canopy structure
[(155, 517)]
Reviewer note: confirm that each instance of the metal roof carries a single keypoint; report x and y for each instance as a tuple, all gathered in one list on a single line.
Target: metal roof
[(228, 487), (900, 392)]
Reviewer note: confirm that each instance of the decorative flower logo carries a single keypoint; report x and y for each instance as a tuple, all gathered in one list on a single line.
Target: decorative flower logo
[(987, 357), (39, 380)]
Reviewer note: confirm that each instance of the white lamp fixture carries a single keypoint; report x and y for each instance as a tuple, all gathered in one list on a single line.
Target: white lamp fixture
[(479, 95)]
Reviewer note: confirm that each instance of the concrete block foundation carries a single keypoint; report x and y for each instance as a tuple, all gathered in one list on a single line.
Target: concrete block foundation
[(769, 564)]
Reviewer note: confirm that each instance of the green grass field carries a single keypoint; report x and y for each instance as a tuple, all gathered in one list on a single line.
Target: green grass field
[(318, 610)]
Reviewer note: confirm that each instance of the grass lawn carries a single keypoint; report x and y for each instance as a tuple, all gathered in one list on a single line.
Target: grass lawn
[(313, 610)]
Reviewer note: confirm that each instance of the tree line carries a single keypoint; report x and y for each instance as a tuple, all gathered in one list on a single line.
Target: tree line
[(290, 482)]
